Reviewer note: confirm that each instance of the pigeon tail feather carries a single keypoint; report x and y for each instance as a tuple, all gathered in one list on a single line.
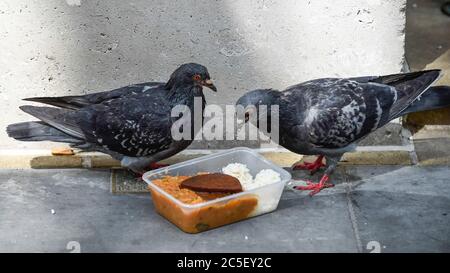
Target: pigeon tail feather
[(435, 97), (409, 86), (39, 131), (56, 117)]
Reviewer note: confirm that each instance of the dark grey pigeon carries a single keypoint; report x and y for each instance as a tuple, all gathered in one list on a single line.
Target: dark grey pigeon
[(132, 123), (327, 117)]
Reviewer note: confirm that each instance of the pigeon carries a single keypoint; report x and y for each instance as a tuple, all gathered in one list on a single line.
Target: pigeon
[(132, 123), (327, 117)]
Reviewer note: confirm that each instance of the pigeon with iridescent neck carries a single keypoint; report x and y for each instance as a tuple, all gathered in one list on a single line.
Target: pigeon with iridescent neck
[(327, 117), (132, 123)]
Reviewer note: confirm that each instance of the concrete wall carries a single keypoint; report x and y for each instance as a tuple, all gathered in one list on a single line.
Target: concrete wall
[(67, 47)]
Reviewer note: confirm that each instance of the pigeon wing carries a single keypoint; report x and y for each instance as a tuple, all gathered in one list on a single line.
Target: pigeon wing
[(340, 111), (132, 126), (77, 102), (409, 86)]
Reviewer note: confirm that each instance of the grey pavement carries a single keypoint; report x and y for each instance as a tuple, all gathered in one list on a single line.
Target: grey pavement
[(386, 208), (426, 32)]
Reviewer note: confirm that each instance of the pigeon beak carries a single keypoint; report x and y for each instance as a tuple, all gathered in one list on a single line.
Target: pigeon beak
[(208, 83)]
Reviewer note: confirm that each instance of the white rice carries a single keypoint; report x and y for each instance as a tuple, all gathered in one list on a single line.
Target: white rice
[(265, 177), (241, 172)]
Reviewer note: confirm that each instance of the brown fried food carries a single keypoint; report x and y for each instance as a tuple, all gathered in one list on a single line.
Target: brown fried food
[(214, 182)]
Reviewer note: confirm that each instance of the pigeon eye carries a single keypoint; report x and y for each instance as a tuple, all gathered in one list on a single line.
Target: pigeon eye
[(196, 77)]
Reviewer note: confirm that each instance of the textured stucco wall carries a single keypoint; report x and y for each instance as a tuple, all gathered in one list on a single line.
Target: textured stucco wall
[(66, 47)]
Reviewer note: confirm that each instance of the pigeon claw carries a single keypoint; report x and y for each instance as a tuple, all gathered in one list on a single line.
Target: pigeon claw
[(154, 166), (138, 176), (315, 187), (311, 166)]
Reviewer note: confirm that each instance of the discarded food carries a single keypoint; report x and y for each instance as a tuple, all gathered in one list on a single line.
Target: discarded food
[(207, 200), (197, 219), (213, 182)]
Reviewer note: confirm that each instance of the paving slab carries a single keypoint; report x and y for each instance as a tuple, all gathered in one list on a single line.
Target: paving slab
[(426, 32), (434, 151), (86, 212), (403, 209)]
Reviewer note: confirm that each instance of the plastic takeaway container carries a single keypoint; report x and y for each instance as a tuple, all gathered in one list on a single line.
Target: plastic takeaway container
[(194, 218)]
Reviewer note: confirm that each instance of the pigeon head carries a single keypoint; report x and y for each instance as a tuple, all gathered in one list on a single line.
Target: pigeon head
[(251, 101), (191, 74)]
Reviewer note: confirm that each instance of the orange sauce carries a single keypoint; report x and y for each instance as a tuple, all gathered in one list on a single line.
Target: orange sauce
[(203, 218)]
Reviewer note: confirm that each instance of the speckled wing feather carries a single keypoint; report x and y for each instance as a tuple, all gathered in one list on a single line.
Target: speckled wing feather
[(340, 111), (409, 86), (138, 125)]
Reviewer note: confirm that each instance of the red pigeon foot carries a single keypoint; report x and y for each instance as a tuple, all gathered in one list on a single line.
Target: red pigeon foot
[(311, 166), (154, 166), (138, 176), (315, 187)]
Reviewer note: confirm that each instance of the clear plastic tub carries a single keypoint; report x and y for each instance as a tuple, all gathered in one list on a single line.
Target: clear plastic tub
[(194, 218)]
